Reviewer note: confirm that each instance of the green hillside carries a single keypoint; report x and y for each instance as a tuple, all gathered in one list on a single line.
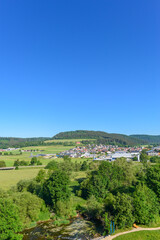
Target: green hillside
[(101, 137), (150, 139), (6, 142)]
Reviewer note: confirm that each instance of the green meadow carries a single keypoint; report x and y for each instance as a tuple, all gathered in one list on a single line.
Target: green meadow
[(142, 235), (9, 159), (9, 178)]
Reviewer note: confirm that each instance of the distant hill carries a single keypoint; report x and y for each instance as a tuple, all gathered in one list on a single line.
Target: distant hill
[(6, 142), (101, 137), (150, 139)]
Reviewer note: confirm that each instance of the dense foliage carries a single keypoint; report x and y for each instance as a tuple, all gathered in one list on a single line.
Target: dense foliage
[(10, 222), (100, 137), (20, 142), (122, 192), (56, 188), (149, 139)]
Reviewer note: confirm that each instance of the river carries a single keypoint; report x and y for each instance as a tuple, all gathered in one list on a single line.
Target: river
[(78, 228)]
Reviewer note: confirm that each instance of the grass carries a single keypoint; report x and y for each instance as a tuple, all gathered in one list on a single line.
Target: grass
[(142, 235), (9, 159), (49, 149), (9, 178)]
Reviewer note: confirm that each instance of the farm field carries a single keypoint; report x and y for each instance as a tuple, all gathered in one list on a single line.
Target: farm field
[(10, 178), (142, 235), (9, 159), (50, 149)]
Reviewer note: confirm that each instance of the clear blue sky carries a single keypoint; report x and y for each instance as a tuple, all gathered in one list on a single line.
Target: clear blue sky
[(79, 64)]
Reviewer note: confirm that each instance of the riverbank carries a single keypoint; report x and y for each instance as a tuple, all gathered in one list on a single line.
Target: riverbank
[(78, 228)]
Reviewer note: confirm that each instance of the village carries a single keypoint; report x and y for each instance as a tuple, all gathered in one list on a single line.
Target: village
[(109, 152)]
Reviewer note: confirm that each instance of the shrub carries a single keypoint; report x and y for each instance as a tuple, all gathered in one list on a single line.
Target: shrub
[(29, 206), (2, 164), (10, 222)]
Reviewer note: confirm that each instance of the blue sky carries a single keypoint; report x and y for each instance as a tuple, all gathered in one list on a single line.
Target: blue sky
[(84, 64)]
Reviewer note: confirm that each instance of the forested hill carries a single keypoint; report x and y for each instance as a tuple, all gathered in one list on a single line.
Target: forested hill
[(101, 137), (150, 139), (6, 142)]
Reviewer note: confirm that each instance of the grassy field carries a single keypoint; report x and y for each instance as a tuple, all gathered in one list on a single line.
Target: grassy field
[(9, 159), (51, 149), (143, 235), (9, 178)]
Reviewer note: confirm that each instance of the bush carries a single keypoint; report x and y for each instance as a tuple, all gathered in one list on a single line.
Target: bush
[(33, 161), (52, 165), (94, 209), (65, 208), (84, 166), (22, 185), (2, 164), (29, 206), (10, 222), (20, 163)]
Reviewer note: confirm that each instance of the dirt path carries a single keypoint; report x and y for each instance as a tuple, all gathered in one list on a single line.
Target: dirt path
[(133, 230), (122, 233)]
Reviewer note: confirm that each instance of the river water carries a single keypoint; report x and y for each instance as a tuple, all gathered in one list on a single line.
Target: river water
[(78, 228)]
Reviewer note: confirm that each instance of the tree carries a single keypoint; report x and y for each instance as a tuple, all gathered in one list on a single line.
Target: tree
[(56, 188), (41, 176), (16, 163), (66, 158), (126, 169), (144, 157), (2, 164), (52, 165), (145, 204), (94, 208), (106, 224), (67, 165), (96, 184), (22, 185), (10, 222), (84, 166), (155, 159), (33, 161), (153, 179), (123, 207)]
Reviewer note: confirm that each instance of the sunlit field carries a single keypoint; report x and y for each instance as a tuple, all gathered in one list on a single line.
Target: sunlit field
[(9, 159), (142, 235), (9, 178)]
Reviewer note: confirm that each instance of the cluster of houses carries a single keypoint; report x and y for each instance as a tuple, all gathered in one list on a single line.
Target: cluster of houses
[(103, 152), (155, 151), (8, 149), (97, 152)]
